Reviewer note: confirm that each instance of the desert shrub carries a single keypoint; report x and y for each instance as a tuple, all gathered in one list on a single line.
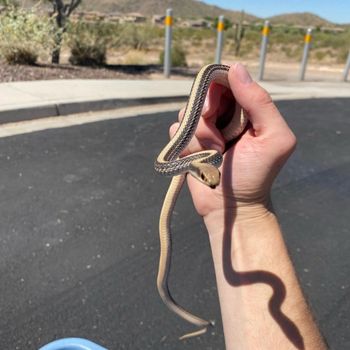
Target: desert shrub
[(88, 43), (342, 55), (286, 36), (138, 37), (320, 55), (88, 55), (331, 40), (178, 57), (20, 55), (183, 33), (326, 54), (248, 49), (25, 35), (292, 51), (253, 36)]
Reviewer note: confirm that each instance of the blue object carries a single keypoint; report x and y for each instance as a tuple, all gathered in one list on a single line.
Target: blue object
[(72, 344)]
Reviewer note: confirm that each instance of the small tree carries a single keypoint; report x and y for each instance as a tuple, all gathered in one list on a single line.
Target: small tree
[(61, 11)]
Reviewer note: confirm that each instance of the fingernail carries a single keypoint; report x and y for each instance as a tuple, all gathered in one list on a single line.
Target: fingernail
[(242, 74)]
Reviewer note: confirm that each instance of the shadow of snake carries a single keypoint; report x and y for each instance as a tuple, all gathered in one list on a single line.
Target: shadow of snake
[(237, 279)]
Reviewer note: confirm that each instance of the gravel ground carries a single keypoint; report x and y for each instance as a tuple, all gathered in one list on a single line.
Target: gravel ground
[(10, 73), (273, 72)]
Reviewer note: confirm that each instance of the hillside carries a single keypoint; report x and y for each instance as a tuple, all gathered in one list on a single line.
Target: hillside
[(181, 8), (190, 9), (301, 19)]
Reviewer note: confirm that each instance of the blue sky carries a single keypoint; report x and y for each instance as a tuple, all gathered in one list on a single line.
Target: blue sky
[(337, 11)]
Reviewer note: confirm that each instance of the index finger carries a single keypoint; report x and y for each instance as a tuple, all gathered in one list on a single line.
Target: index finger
[(261, 111)]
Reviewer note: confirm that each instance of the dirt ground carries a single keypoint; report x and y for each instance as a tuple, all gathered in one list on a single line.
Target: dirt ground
[(10, 73), (137, 70)]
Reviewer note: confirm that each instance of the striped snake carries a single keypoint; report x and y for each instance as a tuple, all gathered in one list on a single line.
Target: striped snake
[(201, 165)]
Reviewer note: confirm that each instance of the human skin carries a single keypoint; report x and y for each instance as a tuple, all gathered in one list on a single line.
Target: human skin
[(261, 301)]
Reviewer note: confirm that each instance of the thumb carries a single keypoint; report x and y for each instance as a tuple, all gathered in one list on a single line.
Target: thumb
[(256, 102)]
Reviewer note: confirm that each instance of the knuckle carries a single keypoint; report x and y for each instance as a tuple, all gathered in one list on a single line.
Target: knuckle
[(288, 143)]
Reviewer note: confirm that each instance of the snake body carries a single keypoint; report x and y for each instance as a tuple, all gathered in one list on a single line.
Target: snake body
[(202, 165)]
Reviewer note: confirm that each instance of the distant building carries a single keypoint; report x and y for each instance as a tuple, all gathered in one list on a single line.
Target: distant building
[(114, 17), (133, 18), (158, 19), (199, 23), (90, 16), (332, 29)]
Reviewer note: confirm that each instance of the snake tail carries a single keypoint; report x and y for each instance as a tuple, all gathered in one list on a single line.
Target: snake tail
[(165, 256)]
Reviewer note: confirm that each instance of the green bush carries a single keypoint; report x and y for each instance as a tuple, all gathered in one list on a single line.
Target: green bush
[(25, 36), (88, 43), (178, 57), (253, 36), (342, 55), (86, 55), (331, 40), (138, 37), (320, 55), (294, 52), (183, 33), (20, 55)]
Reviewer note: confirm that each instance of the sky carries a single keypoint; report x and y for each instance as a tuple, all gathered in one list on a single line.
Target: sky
[(337, 11)]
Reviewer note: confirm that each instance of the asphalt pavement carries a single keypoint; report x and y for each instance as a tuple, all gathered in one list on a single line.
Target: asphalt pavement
[(26, 100), (79, 241)]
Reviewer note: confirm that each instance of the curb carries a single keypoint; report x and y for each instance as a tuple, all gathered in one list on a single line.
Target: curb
[(66, 108)]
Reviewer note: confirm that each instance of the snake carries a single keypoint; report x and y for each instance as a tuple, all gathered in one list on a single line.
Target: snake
[(202, 165)]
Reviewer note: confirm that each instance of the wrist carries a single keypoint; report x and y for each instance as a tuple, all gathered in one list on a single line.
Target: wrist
[(242, 213), (249, 252)]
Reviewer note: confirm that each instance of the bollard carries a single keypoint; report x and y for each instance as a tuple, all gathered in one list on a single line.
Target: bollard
[(220, 39), (168, 36), (307, 46), (347, 68), (264, 41)]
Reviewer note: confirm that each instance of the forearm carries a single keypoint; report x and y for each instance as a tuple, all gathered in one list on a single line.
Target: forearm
[(261, 302)]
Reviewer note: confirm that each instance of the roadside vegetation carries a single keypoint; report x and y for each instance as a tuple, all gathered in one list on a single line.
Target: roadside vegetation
[(28, 37), (25, 36)]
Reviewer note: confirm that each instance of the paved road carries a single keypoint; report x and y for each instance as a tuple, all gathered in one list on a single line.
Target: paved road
[(78, 232)]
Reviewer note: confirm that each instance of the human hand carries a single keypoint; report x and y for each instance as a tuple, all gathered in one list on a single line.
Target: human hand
[(250, 165)]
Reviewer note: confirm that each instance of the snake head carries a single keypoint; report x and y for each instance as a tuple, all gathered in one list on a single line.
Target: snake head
[(207, 174)]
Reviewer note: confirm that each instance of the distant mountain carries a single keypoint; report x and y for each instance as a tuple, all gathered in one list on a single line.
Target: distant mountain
[(181, 8), (190, 9), (301, 19)]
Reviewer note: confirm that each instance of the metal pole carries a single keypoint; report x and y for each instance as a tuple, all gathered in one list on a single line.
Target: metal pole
[(307, 41), (220, 39), (347, 68), (264, 41), (168, 36)]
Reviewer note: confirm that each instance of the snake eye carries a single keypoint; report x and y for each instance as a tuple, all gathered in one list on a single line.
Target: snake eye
[(202, 176)]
